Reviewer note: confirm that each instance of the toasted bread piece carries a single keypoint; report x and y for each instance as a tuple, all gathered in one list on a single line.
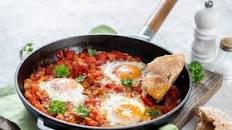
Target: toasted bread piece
[(161, 74), (168, 66), (213, 119)]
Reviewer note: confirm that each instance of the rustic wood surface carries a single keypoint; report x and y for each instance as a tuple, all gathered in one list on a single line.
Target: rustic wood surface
[(201, 93)]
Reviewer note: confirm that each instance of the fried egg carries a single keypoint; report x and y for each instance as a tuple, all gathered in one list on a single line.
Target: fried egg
[(121, 70), (120, 110), (64, 89)]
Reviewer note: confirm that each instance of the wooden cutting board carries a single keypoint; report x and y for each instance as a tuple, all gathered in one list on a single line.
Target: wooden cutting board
[(201, 93)]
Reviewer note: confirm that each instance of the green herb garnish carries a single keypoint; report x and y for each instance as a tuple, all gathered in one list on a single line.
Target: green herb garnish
[(153, 112), (127, 82), (61, 71), (57, 107), (26, 49), (80, 78), (92, 51), (82, 111), (197, 71)]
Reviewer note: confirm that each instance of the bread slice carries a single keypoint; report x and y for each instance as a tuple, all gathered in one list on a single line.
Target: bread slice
[(213, 119), (161, 74), (168, 66)]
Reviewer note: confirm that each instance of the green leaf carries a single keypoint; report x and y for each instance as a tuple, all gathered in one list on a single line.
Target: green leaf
[(168, 127), (57, 107), (197, 71), (26, 49), (153, 112), (80, 78), (127, 83), (61, 71), (82, 111), (92, 51), (102, 29)]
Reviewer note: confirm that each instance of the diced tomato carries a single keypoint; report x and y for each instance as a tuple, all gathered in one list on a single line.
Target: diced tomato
[(90, 122), (48, 71), (92, 102), (109, 86), (118, 88), (120, 55), (69, 55), (40, 72), (75, 65), (95, 75), (111, 56), (101, 58), (60, 54), (91, 60), (147, 99), (137, 89), (171, 99)]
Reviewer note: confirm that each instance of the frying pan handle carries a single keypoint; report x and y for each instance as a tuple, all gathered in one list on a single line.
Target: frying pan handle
[(157, 18), (41, 126)]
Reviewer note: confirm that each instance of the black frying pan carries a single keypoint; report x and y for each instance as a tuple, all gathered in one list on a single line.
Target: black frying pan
[(146, 50)]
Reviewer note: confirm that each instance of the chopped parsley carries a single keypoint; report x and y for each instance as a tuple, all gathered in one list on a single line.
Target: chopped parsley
[(197, 71), (61, 71), (153, 112), (127, 83), (80, 78), (92, 51), (57, 107), (82, 111)]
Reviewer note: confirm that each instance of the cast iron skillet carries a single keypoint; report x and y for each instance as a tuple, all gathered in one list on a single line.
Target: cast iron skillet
[(146, 50)]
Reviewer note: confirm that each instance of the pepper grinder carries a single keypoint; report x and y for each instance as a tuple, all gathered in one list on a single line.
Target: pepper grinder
[(204, 44)]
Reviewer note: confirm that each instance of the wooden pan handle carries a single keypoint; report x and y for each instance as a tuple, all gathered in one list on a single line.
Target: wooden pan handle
[(158, 17)]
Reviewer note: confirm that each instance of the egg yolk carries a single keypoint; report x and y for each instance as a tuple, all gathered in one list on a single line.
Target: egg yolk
[(127, 71), (128, 111), (159, 91)]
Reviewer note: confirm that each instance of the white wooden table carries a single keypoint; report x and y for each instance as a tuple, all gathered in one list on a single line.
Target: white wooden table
[(44, 21)]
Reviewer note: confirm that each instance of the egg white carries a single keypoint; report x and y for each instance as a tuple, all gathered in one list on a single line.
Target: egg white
[(112, 102), (109, 67), (59, 89)]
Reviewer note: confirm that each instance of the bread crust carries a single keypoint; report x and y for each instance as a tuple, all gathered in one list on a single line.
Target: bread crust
[(161, 73), (168, 66)]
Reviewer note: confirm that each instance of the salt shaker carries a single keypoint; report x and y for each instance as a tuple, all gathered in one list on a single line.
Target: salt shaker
[(204, 43), (223, 66), (223, 62)]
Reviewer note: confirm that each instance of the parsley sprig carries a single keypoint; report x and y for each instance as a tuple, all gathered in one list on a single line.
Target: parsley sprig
[(154, 112), (61, 71), (57, 107), (92, 51), (82, 111), (27, 49), (127, 82), (197, 71)]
